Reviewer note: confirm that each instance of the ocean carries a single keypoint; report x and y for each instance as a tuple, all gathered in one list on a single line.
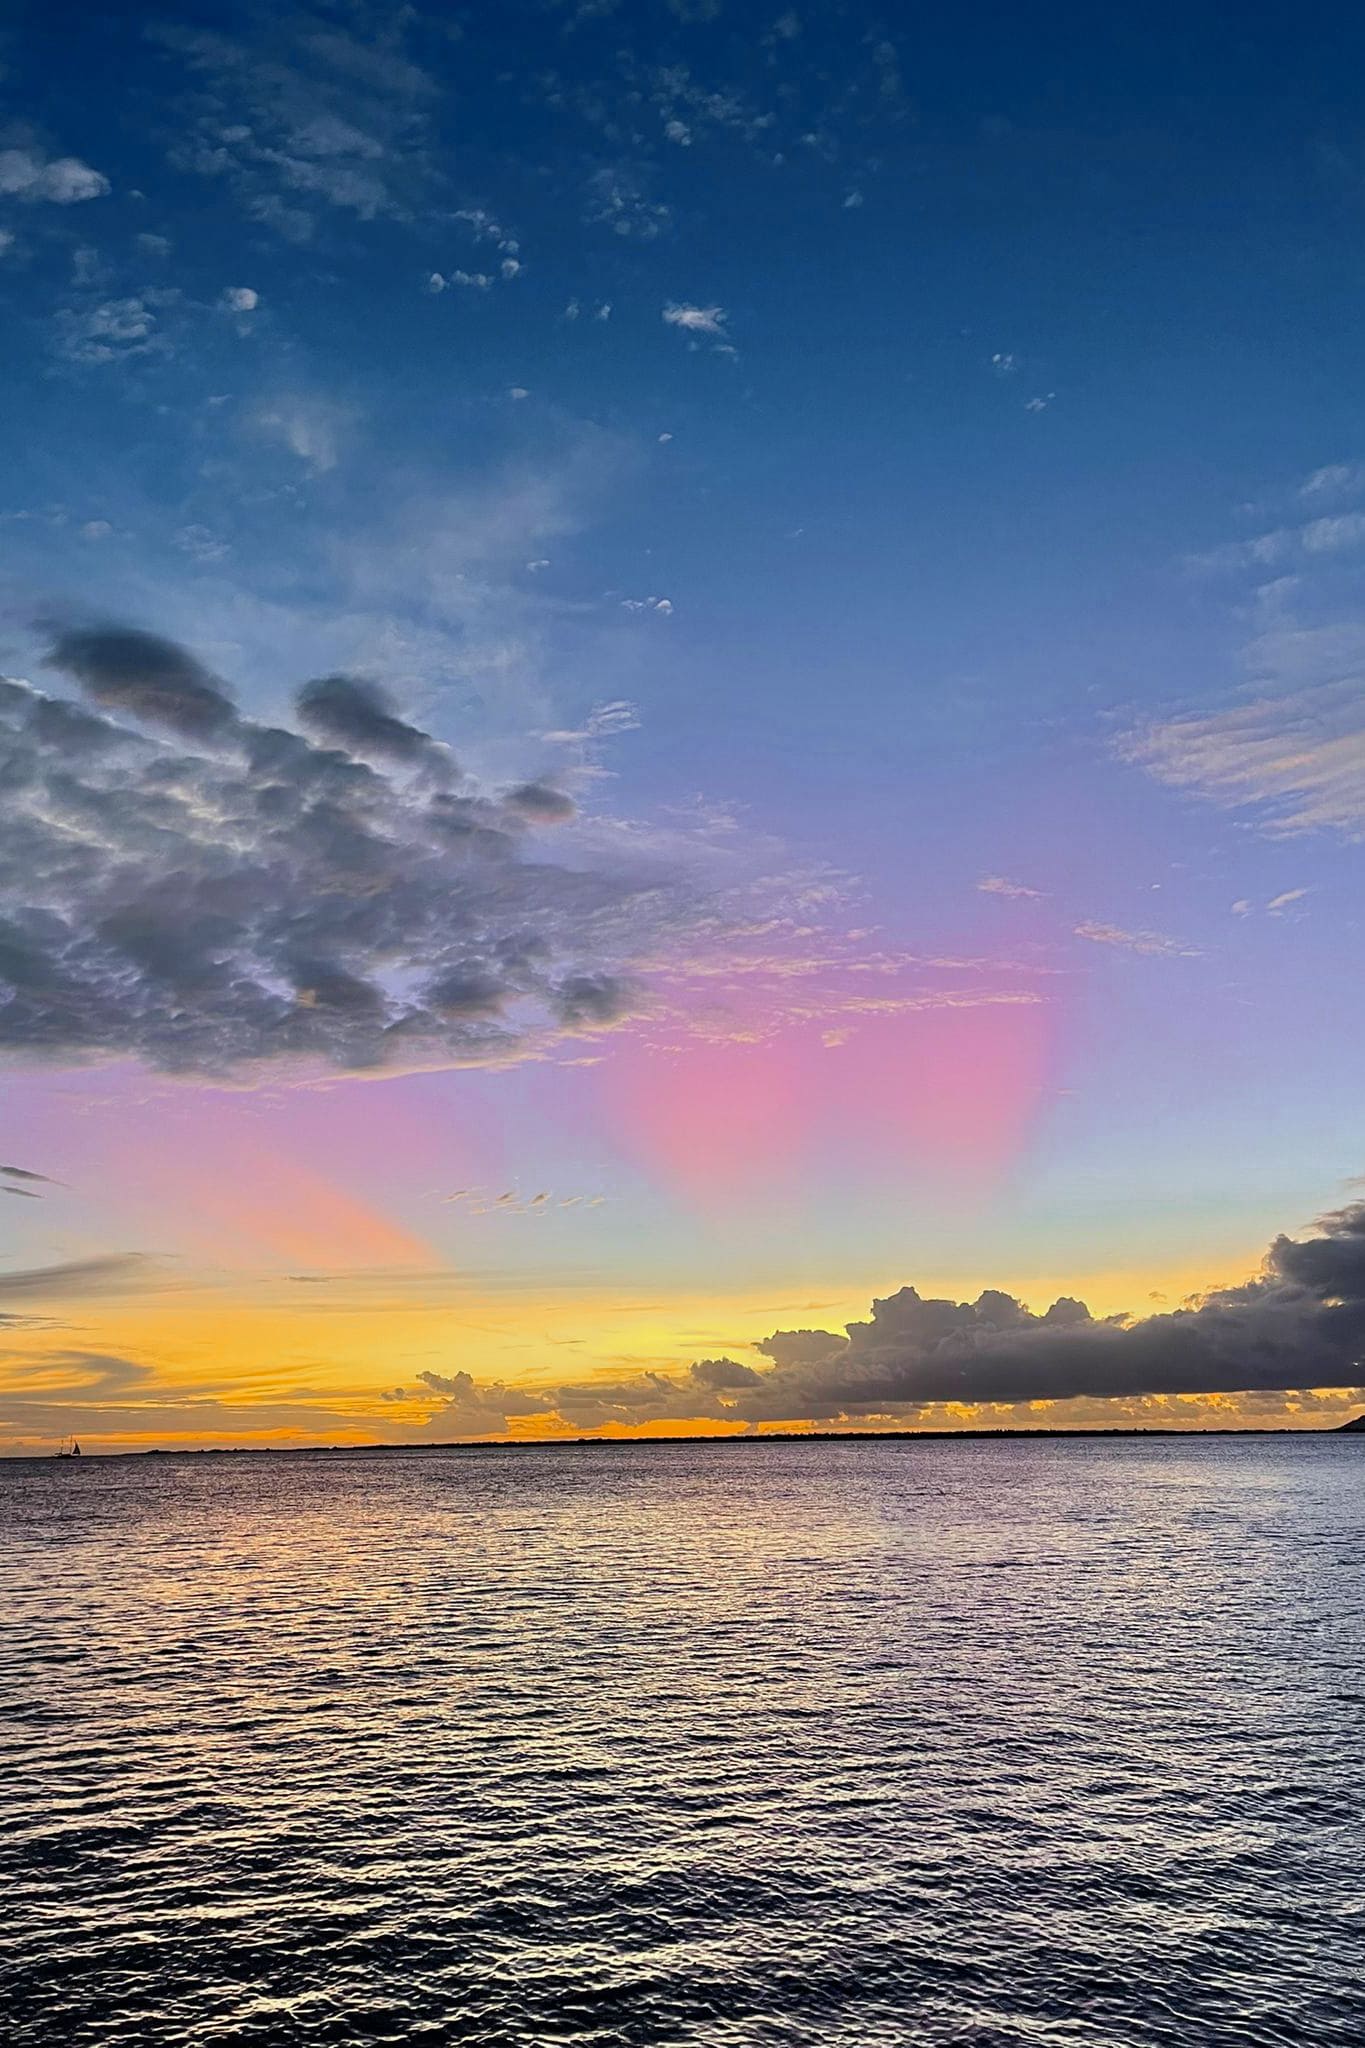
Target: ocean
[(743, 1745)]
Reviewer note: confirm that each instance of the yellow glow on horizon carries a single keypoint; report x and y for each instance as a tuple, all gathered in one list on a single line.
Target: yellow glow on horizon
[(266, 1359)]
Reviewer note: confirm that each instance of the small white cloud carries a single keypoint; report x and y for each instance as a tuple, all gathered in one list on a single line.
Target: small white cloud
[(154, 245), (679, 132), (1242, 907), (472, 280), (602, 722), (1283, 901), (63, 180), (1335, 480), (697, 319), (1004, 363), (1039, 404), (541, 562), (117, 327), (435, 283), (617, 199), (488, 229), (1000, 885), (6, 241), (509, 267), (311, 428), (201, 544), (517, 391), (96, 529), (1147, 943), (853, 200), (664, 439), (239, 298)]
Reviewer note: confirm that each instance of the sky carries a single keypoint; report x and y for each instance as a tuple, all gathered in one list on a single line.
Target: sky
[(682, 722)]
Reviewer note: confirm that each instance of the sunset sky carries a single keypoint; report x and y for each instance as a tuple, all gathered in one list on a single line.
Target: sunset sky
[(668, 670)]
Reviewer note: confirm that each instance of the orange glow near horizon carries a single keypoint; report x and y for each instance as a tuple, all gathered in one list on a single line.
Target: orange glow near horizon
[(273, 1361)]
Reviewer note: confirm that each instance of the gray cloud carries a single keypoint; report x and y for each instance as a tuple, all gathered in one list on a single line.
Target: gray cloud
[(588, 1001), (23, 1173), (356, 715), (146, 676), (214, 891), (110, 1273), (1299, 1325), (540, 803)]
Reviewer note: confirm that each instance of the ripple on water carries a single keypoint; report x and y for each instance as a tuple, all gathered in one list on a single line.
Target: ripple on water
[(738, 1745)]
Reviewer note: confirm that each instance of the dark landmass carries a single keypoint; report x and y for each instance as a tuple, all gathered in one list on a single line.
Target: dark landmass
[(786, 1436)]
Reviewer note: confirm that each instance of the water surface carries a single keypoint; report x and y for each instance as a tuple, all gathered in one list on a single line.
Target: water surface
[(738, 1745)]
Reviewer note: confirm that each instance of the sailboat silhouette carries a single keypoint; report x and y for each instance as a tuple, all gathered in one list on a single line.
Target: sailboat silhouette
[(69, 1448)]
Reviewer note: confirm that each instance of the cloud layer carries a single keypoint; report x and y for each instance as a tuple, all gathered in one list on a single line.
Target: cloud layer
[(1299, 759), (1299, 1325), (205, 891)]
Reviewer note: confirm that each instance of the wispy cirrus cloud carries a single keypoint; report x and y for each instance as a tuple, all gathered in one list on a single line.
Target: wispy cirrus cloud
[(1000, 885), (711, 320), (78, 1279), (1149, 944), (107, 1398), (307, 120), (1297, 759), (1335, 480), (1289, 750)]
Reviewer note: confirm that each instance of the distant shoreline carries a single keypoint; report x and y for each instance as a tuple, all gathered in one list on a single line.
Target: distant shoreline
[(630, 1443)]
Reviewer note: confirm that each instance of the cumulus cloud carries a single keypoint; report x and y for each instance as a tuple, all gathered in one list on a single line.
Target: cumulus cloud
[(239, 298), (1299, 1325), (62, 181), (190, 886)]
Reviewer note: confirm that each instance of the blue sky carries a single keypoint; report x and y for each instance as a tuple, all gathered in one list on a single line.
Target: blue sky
[(897, 485)]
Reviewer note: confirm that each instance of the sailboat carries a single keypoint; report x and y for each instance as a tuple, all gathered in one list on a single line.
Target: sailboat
[(69, 1448)]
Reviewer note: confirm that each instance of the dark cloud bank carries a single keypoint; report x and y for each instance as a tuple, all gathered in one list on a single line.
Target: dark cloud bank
[(187, 885), (1300, 1324)]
